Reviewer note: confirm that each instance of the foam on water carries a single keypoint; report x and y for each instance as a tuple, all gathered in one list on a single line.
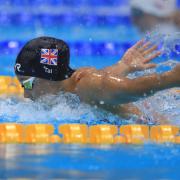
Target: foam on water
[(164, 105), (62, 108), (168, 43)]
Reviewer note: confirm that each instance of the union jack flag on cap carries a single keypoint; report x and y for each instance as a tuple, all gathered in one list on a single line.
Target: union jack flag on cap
[(49, 56)]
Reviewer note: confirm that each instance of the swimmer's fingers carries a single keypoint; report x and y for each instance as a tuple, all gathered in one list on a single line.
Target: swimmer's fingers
[(150, 50), (144, 47), (152, 57), (138, 44)]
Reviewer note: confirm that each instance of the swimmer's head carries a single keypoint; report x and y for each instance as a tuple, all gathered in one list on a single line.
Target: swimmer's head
[(46, 58)]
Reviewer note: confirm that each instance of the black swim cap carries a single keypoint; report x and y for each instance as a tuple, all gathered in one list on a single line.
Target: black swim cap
[(44, 57)]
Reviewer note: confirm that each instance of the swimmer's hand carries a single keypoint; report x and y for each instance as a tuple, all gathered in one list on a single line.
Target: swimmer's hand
[(137, 57)]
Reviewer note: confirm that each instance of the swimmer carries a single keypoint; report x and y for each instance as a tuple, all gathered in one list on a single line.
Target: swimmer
[(42, 67)]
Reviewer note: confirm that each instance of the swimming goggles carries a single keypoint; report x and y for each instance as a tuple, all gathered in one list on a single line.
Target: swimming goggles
[(28, 84)]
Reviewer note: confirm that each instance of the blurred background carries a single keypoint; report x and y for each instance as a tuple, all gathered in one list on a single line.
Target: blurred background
[(98, 31)]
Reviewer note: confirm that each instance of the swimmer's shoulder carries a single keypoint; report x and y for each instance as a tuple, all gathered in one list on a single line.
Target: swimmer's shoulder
[(87, 84)]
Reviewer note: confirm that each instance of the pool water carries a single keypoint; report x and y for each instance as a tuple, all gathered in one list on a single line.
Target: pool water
[(147, 161), (95, 40)]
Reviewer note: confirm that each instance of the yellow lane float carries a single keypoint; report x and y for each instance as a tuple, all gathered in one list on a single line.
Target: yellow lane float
[(135, 134), (38, 133), (102, 134), (10, 86), (83, 134), (164, 133), (74, 133)]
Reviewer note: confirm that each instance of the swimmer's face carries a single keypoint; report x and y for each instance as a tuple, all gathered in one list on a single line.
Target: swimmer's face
[(42, 87)]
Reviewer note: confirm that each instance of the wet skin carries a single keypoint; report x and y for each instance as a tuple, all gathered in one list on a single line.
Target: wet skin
[(111, 86)]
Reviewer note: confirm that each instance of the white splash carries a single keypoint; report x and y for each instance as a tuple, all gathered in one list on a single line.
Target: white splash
[(164, 103), (62, 108)]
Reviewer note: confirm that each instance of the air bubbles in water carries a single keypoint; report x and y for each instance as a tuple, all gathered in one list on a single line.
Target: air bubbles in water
[(101, 102), (167, 43)]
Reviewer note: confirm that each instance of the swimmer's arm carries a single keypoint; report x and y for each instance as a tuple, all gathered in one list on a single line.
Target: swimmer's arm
[(136, 58), (124, 110), (97, 87), (127, 111)]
